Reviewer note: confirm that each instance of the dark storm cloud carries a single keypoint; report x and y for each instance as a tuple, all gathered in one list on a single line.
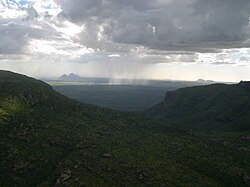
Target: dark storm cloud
[(166, 25)]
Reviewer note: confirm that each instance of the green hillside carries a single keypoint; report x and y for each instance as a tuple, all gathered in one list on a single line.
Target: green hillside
[(47, 139), (213, 107)]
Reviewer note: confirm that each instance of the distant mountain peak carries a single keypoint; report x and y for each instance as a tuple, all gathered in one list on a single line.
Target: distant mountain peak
[(205, 81), (72, 74), (70, 77)]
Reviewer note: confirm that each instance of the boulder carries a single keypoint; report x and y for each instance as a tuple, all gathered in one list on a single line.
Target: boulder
[(106, 155), (65, 176)]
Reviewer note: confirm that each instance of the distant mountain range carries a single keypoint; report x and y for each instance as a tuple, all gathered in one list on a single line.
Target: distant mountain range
[(70, 77), (205, 81), (76, 78)]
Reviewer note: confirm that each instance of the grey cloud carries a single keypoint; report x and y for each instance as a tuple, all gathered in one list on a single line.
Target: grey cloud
[(15, 34), (224, 20), (223, 63), (184, 25), (245, 59), (13, 37), (145, 31), (187, 58), (81, 10)]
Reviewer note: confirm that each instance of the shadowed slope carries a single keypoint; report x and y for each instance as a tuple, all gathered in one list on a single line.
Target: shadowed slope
[(213, 107)]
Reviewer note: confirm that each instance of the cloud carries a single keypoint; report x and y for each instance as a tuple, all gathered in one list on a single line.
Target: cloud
[(123, 38), (185, 25), (24, 30), (118, 26), (13, 38)]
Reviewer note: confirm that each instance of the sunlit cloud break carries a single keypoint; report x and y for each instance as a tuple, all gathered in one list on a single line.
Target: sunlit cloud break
[(126, 39)]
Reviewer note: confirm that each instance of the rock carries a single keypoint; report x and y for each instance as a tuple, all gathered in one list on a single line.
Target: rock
[(243, 149), (247, 179), (140, 177), (245, 139), (19, 166), (107, 155), (90, 168), (65, 176)]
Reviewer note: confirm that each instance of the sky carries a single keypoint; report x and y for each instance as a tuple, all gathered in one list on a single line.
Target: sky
[(133, 39)]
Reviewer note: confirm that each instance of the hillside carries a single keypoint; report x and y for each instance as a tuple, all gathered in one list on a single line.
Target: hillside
[(213, 107), (47, 139)]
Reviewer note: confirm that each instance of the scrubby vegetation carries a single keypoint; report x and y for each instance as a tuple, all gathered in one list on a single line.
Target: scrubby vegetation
[(47, 139), (215, 107)]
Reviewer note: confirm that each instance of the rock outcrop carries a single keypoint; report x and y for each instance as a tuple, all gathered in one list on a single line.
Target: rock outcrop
[(245, 84)]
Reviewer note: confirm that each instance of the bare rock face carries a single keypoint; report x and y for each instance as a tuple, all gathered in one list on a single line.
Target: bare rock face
[(245, 84), (106, 155), (66, 175)]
